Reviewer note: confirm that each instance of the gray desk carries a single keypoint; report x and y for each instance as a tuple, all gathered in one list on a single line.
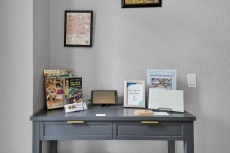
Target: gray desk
[(118, 124)]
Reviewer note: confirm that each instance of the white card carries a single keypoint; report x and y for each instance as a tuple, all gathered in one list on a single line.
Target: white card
[(100, 114), (160, 113)]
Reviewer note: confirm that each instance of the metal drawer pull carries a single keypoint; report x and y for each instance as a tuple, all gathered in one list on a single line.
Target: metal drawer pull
[(149, 122), (75, 122)]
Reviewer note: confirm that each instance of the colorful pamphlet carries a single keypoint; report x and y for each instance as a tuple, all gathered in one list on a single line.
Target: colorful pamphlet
[(54, 87), (75, 107), (58, 73), (54, 93), (73, 89)]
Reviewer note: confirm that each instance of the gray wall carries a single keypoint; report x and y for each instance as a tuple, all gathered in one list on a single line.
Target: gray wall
[(41, 56), (190, 36), (16, 79)]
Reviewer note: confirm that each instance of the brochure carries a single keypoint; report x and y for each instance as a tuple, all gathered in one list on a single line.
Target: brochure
[(161, 79)]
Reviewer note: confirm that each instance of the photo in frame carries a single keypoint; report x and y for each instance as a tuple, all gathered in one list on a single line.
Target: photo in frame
[(140, 3), (78, 28), (134, 93)]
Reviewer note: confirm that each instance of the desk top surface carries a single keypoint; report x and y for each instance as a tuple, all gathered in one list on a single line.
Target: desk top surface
[(113, 113)]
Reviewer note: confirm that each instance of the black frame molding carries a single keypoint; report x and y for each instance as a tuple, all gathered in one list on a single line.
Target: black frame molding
[(124, 5), (91, 28)]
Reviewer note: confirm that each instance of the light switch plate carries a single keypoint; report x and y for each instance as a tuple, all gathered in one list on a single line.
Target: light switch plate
[(191, 79)]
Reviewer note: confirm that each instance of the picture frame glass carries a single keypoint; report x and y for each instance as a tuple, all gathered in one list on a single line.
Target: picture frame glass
[(129, 2), (134, 93), (135, 96), (78, 28), (140, 3)]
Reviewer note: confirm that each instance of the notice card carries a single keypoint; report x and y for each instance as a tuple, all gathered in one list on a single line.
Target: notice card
[(100, 114), (135, 96), (160, 113)]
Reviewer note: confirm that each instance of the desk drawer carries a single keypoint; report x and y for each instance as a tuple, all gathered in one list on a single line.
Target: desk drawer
[(77, 130), (149, 131)]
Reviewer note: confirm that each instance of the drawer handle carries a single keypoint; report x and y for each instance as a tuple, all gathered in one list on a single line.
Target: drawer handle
[(149, 122), (75, 122)]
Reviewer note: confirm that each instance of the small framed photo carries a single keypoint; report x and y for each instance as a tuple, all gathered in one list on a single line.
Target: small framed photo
[(140, 3), (134, 93), (78, 28)]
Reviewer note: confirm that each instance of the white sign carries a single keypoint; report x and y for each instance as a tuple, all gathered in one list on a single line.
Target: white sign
[(160, 113), (135, 94), (100, 114), (166, 99)]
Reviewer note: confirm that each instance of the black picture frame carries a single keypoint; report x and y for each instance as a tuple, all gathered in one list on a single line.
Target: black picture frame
[(78, 28), (140, 3)]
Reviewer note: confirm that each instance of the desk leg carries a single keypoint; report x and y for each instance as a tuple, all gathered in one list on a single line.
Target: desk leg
[(53, 146), (189, 143), (171, 146), (37, 143)]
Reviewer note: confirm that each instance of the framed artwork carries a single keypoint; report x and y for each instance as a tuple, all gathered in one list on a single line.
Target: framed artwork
[(140, 3), (78, 28), (134, 93), (162, 78)]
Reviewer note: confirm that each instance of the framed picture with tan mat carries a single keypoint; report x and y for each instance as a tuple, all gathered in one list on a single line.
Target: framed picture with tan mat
[(140, 3)]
